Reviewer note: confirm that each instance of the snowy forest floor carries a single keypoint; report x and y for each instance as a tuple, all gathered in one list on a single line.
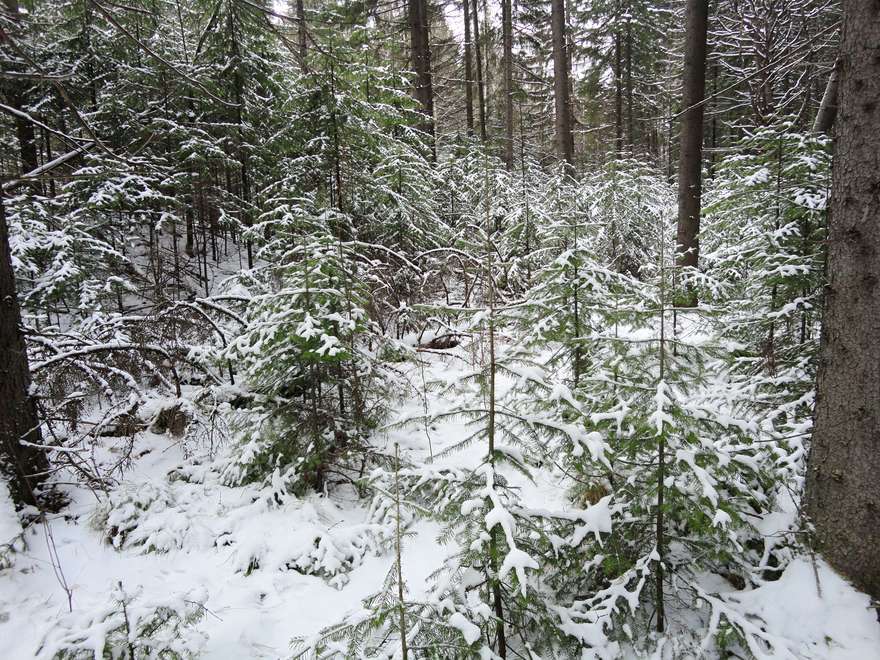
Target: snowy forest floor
[(229, 549)]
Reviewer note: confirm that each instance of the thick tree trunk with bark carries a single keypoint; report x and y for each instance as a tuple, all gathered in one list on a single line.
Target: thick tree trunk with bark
[(843, 478), (564, 138), (421, 62), (691, 150), (468, 69), (22, 466), (507, 42)]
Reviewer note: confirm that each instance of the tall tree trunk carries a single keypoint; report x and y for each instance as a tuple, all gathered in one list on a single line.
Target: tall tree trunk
[(23, 466), (468, 69), (507, 43), (24, 130), (302, 33), (713, 127), (630, 120), (15, 94), (691, 150), (564, 138), (843, 479), (189, 245), (497, 594), (421, 62), (48, 142), (618, 95), (481, 87), (242, 151)]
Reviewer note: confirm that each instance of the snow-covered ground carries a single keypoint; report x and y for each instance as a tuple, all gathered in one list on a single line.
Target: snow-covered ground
[(231, 551)]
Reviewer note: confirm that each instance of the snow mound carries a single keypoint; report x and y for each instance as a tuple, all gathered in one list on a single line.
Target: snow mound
[(313, 536), (818, 611)]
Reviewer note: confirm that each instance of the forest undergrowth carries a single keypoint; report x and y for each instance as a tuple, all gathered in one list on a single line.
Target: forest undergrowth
[(317, 376), (524, 453)]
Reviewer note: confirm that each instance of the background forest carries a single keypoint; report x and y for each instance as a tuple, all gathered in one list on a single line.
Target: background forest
[(417, 329)]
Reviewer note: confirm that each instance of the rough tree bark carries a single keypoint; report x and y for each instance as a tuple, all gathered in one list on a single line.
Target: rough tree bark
[(421, 62), (691, 148), (843, 477), (564, 137), (23, 466), (507, 42)]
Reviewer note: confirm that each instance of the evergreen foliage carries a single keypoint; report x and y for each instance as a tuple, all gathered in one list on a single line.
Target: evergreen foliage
[(251, 251)]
